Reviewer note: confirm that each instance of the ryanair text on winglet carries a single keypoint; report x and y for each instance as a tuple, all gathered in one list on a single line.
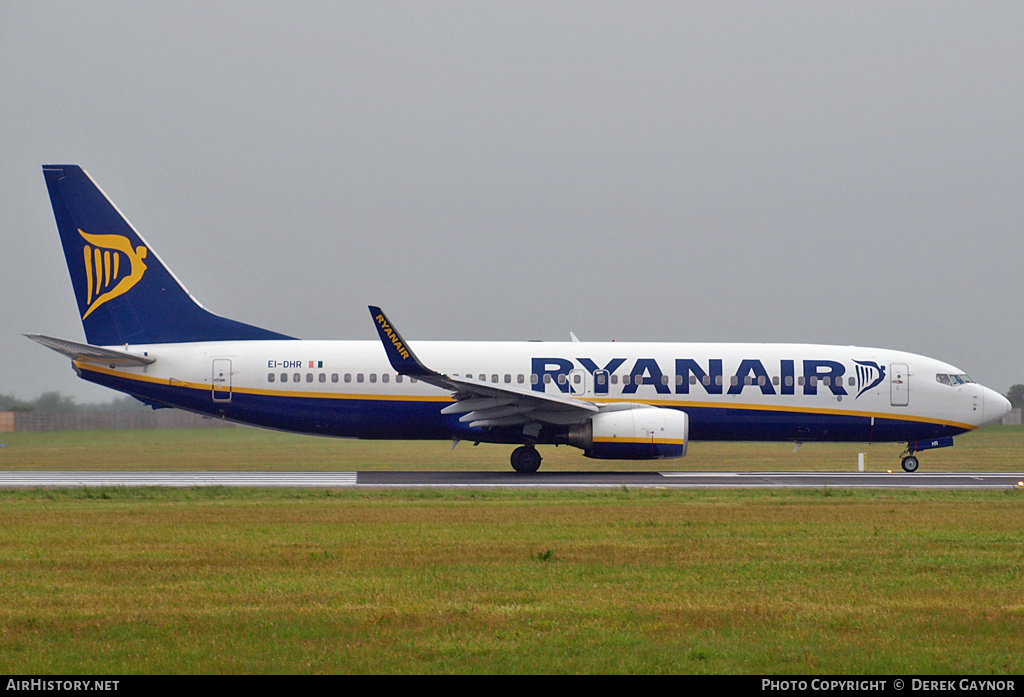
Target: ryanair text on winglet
[(393, 336)]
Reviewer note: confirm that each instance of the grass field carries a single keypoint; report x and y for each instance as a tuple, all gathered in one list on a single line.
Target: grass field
[(994, 448), (647, 581), (221, 580)]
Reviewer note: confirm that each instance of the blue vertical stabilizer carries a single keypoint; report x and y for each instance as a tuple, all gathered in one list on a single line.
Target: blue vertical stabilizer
[(125, 293)]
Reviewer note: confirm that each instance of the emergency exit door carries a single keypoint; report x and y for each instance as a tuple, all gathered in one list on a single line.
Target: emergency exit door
[(578, 381)]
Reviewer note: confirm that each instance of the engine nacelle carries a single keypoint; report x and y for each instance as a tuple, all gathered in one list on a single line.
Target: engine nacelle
[(645, 433)]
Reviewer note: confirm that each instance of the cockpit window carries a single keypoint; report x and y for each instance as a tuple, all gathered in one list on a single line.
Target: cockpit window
[(953, 380)]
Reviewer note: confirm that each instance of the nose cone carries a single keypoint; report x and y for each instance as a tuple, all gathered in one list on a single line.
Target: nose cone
[(996, 406)]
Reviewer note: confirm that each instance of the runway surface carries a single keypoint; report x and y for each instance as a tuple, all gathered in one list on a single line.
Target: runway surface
[(578, 480)]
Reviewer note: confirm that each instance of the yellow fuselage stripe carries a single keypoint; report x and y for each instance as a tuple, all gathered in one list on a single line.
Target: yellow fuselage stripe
[(676, 404), (660, 441)]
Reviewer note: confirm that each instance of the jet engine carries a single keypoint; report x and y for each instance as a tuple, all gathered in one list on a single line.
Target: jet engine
[(640, 433)]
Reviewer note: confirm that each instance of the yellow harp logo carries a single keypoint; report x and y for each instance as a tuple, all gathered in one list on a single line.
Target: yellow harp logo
[(107, 259)]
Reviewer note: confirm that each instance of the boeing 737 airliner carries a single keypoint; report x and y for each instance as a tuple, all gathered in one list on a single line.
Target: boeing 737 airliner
[(148, 337)]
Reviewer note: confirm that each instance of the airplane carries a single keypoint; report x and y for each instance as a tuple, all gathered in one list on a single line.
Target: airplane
[(147, 336)]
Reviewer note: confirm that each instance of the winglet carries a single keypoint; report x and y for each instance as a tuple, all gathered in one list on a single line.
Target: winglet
[(402, 359)]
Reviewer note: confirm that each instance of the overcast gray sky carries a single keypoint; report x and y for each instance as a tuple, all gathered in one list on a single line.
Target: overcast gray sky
[(847, 173)]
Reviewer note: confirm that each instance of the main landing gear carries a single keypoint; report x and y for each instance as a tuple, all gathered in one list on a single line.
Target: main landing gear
[(525, 459)]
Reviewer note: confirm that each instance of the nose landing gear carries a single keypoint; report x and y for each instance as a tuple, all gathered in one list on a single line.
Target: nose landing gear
[(910, 462)]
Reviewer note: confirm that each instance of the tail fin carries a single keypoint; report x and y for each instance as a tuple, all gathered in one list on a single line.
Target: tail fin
[(125, 293)]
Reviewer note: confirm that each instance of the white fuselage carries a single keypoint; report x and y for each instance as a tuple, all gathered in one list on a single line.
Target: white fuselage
[(730, 391)]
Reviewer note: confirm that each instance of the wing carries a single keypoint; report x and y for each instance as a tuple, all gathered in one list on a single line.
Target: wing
[(483, 404)]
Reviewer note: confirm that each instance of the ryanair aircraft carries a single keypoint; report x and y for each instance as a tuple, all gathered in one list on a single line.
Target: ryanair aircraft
[(148, 337)]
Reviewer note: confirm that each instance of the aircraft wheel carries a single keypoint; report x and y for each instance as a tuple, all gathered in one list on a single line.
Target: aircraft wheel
[(525, 459), (910, 463)]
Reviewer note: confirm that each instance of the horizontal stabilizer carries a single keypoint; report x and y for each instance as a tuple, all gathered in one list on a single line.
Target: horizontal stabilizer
[(88, 352)]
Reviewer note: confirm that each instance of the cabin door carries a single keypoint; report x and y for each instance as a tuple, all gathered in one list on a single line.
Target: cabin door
[(899, 384), (221, 379)]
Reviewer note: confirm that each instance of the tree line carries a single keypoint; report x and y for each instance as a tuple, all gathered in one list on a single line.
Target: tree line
[(1016, 396), (50, 402)]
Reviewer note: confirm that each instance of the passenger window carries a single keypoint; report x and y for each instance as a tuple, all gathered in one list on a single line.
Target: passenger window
[(775, 379), (706, 380), (284, 377), (323, 377), (385, 377), (533, 378), (398, 378), (373, 377), (359, 377), (520, 378), (561, 379), (664, 379), (789, 381), (348, 377), (718, 380), (508, 378), (270, 377), (615, 379), (734, 380), (297, 377), (309, 377), (334, 377), (494, 378)]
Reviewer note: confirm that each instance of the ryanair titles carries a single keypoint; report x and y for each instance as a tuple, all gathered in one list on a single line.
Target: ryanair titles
[(710, 377), (396, 341)]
